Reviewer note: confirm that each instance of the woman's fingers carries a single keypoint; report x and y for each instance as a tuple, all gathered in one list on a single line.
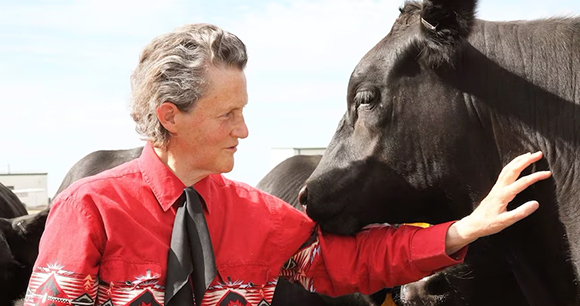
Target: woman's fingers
[(510, 217), (492, 216), (526, 181), (509, 168), (507, 193), (513, 169)]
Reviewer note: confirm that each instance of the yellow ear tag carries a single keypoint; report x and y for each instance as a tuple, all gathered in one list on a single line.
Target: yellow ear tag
[(419, 224), (389, 300)]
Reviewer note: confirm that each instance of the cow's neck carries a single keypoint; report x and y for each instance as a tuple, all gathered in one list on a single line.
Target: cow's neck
[(531, 98), (526, 77)]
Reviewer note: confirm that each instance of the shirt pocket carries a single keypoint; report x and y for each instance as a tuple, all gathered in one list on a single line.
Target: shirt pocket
[(129, 274), (253, 274)]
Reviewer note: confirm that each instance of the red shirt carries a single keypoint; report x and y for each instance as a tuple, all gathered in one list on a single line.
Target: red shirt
[(107, 238)]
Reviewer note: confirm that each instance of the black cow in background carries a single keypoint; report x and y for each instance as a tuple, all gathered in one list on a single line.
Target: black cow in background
[(434, 111), (96, 162), (19, 237), (10, 205), (291, 173), (287, 178), (18, 252)]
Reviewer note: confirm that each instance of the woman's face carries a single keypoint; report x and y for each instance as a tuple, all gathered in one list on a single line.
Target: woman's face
[(208, 133)]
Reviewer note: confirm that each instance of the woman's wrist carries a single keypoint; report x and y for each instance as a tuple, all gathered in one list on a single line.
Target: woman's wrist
[(460, 234)]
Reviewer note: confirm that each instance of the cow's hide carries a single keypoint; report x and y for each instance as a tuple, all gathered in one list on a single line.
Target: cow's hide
[(434, 111)]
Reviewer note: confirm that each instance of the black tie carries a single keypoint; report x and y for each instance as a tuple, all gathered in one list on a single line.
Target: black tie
[(190, 263)]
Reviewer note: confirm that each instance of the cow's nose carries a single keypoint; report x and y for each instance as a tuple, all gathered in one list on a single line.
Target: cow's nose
[(303, 196)]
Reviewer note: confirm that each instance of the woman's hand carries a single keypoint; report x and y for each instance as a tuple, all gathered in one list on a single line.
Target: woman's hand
[(492, 216)]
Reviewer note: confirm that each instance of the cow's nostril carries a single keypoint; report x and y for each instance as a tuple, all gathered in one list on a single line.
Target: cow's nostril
[(437, 285), (303, 196)]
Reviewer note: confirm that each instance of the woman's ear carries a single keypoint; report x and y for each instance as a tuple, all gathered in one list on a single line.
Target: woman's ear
[(166, 114)]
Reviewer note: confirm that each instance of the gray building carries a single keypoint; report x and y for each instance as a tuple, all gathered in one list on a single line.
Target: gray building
[(31, 188)]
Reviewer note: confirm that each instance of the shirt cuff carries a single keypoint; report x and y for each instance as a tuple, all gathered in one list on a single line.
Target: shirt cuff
[(428, 249)]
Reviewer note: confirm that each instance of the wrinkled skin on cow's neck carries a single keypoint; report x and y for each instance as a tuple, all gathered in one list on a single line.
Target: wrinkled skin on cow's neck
[(424, 138)]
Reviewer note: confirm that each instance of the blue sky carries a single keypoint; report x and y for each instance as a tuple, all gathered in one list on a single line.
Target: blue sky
[(65, 67)]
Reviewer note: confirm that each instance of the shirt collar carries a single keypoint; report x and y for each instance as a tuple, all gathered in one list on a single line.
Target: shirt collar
[(166, 186)]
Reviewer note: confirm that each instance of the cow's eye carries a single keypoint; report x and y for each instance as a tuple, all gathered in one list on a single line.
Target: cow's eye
[(364, 97)]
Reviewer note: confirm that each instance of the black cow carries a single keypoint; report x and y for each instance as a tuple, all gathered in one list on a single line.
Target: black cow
[(10, 204), (18, 239), (434, 111), (96, 162), (298, 169), (288, 177)]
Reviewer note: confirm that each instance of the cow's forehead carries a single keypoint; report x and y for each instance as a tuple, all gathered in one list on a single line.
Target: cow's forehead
[(410, 14), (394, 46), (378, 64)]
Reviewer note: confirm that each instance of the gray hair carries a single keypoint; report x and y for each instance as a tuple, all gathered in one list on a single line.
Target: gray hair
[(173, 67)]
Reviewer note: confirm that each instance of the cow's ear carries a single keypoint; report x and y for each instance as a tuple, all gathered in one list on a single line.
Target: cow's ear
[(27, 230), (30, 226), (445, 26)]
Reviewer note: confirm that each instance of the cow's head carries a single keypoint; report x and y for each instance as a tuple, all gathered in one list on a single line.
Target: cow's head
[(24, 236), (19, 239), (409, 146), (425, 134)]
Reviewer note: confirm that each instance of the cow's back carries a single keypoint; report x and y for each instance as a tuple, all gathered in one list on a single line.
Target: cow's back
[(10, 205), (96, 162), (285, 179)]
